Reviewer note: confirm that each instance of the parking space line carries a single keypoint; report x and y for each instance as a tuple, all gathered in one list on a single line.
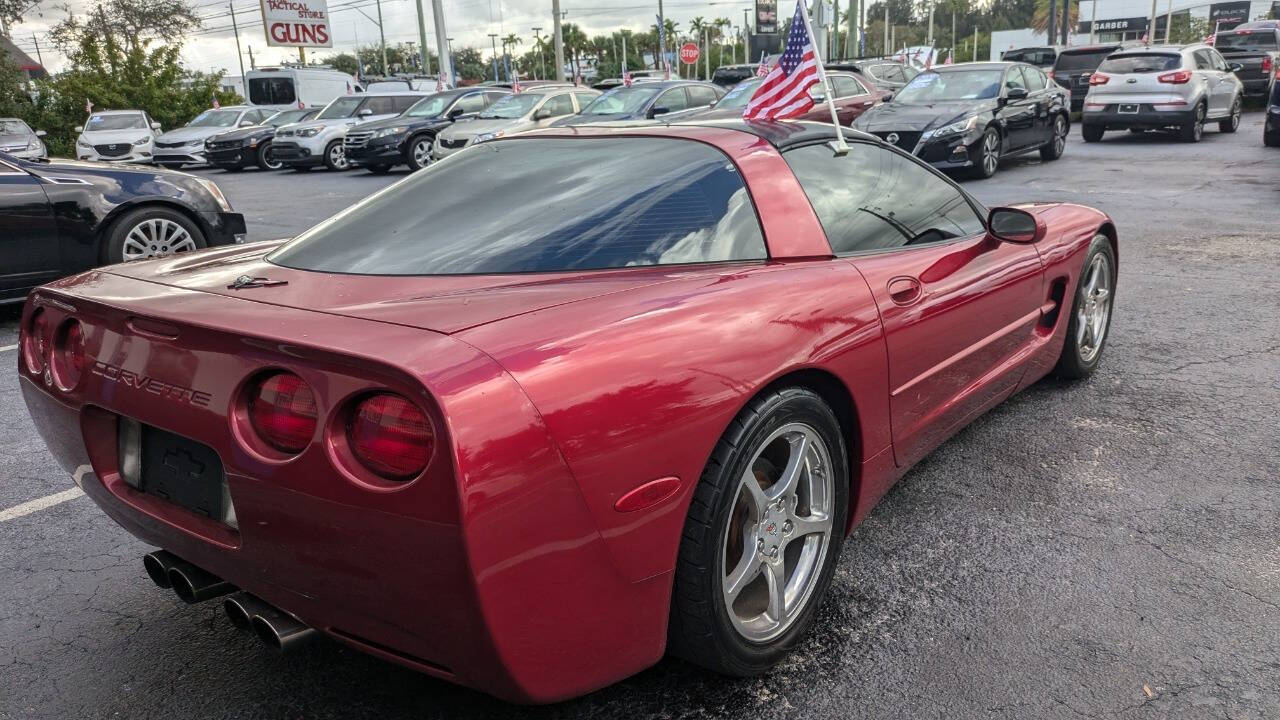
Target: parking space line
[(39, 504), (6, 348)]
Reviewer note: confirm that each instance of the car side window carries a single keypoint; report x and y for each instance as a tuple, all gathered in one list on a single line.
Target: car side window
[(1219, 63), (1035, 79), (558, 105), (379, 105), (492, 97), (875, 199), (584, 99), (673, 100), (846, 86), (402, 103), (699, 96), (1202, 60), (470, 103), (1013, 78)]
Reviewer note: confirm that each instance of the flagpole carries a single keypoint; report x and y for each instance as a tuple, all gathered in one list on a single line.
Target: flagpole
[(842, 147)]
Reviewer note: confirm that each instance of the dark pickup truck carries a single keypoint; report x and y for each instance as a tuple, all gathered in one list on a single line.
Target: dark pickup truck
[(1256, 47)]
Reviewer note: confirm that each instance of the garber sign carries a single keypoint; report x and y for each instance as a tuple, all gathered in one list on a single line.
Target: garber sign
[(296, 23)]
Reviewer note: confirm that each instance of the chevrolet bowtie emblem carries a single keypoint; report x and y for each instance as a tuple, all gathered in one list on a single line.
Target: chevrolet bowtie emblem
[(244, 281)]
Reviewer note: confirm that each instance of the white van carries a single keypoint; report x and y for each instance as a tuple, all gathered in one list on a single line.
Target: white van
[(286, 88)]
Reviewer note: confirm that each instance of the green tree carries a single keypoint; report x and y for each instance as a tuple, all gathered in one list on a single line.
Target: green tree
[(132, 24), (470, 65)]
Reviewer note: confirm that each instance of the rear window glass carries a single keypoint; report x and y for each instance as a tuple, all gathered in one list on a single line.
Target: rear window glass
[(1253, 40), (561, 204), (271, 91), (1143, 63), (1088, 60)]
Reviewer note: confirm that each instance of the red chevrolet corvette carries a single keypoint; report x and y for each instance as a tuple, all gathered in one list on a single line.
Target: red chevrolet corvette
[(563, 402)]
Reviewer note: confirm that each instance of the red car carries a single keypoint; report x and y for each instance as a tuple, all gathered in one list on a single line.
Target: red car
[(631, 404), (855, 94)]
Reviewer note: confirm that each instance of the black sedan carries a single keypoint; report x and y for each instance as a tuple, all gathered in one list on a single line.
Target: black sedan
[(62, 217), (238, 149), (646, 100), (967, 117), (406, 139)]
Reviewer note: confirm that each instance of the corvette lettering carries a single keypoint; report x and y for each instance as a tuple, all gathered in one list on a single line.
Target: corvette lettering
[(166, 390)]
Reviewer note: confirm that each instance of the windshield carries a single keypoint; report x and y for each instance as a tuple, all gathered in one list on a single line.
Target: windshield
[(1140, 63), (621, 100), (215, 118), (511, 107), (132, 121), (429, 107), (931, 87), (1264, 40), (1077, 61), (14, 127), (739, 95), (284, 117), (343, 107), (567, 204)]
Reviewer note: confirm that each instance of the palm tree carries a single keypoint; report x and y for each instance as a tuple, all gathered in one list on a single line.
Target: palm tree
[(575, 41), (1040, 18)]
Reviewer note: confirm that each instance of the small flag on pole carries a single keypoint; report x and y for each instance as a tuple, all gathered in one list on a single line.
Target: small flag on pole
[(302, 105), (88, 106), (950, 58), (626, 77), (348, 87), (785, 90), (515, 85), (762, 70), (216, 104)]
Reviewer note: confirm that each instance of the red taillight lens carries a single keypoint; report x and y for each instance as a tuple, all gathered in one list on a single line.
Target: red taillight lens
[(1099, 79), (390, 436), (1266, 64), (35, 341), (283, 412), (68, 358), (1180, 77)]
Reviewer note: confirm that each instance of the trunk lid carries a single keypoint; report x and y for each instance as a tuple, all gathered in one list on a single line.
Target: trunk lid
[(442, 303)]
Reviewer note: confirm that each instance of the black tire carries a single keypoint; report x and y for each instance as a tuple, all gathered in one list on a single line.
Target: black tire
[(983, 168), (114, 241), (1076, 361), (1232, 122), (1192, 132), (411, 152), (334, 158), (266, 160), (1092, 133), (1053, 149), (700, 629), (379, 169), (1271, 139)]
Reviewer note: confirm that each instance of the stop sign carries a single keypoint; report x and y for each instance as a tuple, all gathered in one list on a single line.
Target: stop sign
[(689, 53)]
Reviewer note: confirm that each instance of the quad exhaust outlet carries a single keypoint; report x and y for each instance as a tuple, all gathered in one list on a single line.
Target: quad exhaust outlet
[(187, 581)]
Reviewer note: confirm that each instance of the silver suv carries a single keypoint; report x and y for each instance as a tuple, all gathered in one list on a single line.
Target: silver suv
[(1162, 87)]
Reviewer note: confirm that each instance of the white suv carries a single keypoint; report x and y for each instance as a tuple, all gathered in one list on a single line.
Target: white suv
[(118, 135), (302, 146), (1162, 87)]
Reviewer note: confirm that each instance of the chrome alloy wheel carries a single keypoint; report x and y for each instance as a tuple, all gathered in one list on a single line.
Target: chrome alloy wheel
[(269, 160), (1198, 125), (422, 152), (156, 237), (990, 152), (1235, 115), (776, 540), (338, 157), (1094, 308), (1059, 135)]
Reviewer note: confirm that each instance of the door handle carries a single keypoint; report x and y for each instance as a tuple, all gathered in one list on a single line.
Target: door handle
[(904, 290)]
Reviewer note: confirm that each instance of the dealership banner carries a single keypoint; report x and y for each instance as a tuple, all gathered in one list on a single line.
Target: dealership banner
[(766, 17), (296, 23), (1228, 14)]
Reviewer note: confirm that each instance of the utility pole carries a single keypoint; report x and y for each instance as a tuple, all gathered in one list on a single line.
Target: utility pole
[(1151, 24), (555, 28), (1093, 21), (662, 38), (537, 43), (975, 43), (1168, 23), (1052, 35), (422, 40), (234, 28), (886, 29), (493, 42), (850, 37), (706, 51), (1066, 20), (40, 59), (930, 40), (442, 42), (382, 38), (252, 65), (952, 52)]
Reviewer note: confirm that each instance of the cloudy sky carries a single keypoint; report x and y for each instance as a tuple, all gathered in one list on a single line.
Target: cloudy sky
[(468, 21)]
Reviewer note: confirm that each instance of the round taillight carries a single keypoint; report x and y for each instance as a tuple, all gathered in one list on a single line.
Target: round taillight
[(390, 436), (35, 341), (68, 358), (282, 411)]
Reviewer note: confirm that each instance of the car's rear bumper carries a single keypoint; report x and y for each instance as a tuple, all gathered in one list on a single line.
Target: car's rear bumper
[(1147, 116), (1256, 86)]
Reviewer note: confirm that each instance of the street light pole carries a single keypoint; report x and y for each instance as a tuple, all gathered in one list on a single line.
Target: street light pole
[(537, 43), (493, 42), (442, 42), (422, 40), (555, 28), (662, 35), (383, 41)]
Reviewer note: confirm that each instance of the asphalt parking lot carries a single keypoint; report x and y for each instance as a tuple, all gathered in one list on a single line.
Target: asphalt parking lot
[(1109, 548)]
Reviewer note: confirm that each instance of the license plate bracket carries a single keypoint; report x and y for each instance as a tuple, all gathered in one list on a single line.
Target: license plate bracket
[(1128, 109), (182, 471)]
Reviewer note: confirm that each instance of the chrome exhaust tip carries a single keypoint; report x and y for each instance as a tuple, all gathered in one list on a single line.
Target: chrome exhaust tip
[(157, 565), (241, 607), (281, 631), (194, 585)]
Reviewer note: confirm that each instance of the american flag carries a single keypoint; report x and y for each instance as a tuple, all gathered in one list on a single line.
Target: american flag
[(785, 90), (441, 86), (88, 106), (216, 104), (1209, 39), (626, 77), (515, 85), (763, 69)]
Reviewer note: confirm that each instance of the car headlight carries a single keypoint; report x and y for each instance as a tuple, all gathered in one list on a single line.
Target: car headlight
[(956, 128), (384, 132), (215, 192), (81, 143), (486, 137), (311, 131), (143, 140), (34, 145)]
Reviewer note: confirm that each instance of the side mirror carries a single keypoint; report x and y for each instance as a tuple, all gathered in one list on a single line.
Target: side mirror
[(79, 128), (1016, 93), (1236, 67), (155, 126), (41, 133), (541, 114), (1015, 226), (656, 111), (455, 113), (888, 97), (364, 113)]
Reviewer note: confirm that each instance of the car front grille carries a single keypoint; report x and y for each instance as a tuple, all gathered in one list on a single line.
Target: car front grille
[(284, 132), (113, 150), (356, 140), (169, 144), (905, 140), (224, 145), (453, 143)]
